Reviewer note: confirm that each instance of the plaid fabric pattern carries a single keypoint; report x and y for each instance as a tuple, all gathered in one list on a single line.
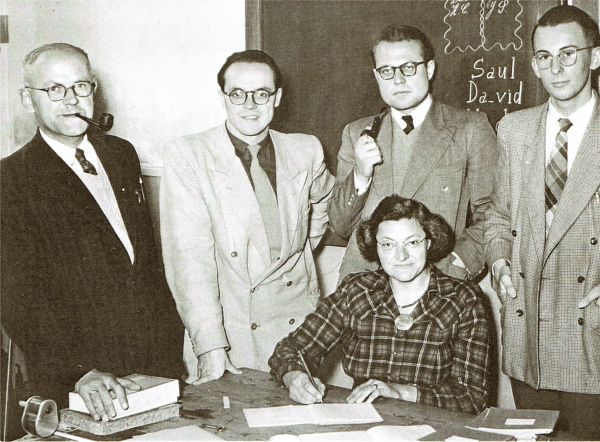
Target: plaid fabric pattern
[(556, 170), (445, 354)]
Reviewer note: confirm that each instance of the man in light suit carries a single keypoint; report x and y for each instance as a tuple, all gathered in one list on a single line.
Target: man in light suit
[(426, 150), (543, 229), (83, 294), (242, 207)]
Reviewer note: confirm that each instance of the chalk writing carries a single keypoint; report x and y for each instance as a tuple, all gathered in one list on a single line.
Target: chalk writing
[(484, 24), (485, 89)]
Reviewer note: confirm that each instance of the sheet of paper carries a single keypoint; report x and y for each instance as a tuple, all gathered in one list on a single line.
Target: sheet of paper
[(399, 432), (520, 421), (320, 414), (191, 432), (332, 414), (277, 416)]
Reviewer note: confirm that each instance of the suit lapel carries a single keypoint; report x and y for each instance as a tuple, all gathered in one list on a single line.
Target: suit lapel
[(58, 184), (532, 169), (241, 204), (382, 180), (582, 183), (431, 143), (120, 187), (290, 182)]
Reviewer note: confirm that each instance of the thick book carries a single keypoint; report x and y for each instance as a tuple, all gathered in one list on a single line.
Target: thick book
[(520, 423), (318, 414), (155, 392)]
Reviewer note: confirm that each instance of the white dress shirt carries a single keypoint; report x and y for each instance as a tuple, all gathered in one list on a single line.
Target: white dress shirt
[(98, 185), (580, 120)]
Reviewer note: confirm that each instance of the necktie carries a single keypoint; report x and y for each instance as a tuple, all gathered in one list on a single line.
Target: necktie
[(409, 123), (267, 202), (556, 170), (85, 164)]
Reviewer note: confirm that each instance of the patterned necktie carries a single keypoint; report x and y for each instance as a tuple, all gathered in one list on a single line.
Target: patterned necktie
[(556, 170), (409, 123), (267, 201), (85, 164)]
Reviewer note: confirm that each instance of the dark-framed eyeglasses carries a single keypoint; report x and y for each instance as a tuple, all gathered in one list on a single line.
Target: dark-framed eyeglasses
[(259, 96), (566, 57), (387, 245), (57, 92), (408, 69)]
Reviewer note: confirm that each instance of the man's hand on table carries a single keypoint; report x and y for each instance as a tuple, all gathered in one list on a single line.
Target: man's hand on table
[(212, 365), (372, 389), (98, 389)]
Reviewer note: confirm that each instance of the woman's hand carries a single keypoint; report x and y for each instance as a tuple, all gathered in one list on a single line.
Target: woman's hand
[(372, 389), (301, 390)]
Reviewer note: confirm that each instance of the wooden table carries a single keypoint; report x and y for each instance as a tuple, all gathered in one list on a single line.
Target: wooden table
[(204, 404)]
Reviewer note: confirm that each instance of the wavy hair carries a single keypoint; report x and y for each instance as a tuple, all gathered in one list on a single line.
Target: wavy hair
[(394, 208)]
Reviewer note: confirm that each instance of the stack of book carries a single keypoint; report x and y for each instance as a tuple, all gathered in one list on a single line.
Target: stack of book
[(156, 401)]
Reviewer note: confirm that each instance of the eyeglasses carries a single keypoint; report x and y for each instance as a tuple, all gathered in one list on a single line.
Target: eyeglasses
[(408, 69), (566, 57), (259, 96), (413, 245), (58, 92)]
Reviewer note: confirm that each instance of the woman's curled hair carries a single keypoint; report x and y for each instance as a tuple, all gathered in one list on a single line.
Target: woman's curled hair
[(394, 208)]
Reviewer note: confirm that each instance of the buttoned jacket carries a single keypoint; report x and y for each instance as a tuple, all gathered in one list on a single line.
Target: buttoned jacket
[(450, 171), (215, 249), (548, 342), (71, 298)]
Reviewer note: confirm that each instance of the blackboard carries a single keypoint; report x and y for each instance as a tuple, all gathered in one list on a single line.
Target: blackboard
[(482, 50)]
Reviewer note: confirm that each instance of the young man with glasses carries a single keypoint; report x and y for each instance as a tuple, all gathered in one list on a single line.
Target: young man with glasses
[(242, 207), (425, 150), (543, 229), (82, 290)]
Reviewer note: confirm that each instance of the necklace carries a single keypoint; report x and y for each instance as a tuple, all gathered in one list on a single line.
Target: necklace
[(404, 321)]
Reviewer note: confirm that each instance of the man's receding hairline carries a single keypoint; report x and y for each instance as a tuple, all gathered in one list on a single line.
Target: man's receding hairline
[(32, 60)]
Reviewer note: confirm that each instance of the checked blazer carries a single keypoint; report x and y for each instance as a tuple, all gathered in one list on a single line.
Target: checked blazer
[(548, 342)]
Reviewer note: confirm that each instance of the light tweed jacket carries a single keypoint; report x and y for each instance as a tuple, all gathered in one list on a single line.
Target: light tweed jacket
[(449, 171), (215, 249), (548, 342)]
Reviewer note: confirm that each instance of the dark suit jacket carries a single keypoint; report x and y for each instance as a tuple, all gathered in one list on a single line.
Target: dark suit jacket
[(71, 299)]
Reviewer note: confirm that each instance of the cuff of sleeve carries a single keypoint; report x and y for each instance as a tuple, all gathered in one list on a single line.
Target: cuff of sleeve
[(497, 264), (217, 340), (286, 368)]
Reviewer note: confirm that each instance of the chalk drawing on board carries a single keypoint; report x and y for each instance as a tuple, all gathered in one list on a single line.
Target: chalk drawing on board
[(485, 24)]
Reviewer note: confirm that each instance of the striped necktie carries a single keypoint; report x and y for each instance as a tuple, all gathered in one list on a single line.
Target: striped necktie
[(267, 201), (556, 171)]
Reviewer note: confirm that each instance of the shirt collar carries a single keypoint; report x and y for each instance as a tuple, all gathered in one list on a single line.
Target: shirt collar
[(428, 306), (418, 114), (584, 113), (241, 146), (66, 153)]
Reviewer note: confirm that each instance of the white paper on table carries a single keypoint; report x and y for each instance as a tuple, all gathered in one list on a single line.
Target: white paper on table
[(319, 414)]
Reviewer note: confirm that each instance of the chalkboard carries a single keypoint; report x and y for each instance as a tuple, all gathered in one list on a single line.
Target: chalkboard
[(482, 50)]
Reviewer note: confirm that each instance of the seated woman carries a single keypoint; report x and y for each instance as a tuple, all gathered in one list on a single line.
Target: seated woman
[(407, 331)]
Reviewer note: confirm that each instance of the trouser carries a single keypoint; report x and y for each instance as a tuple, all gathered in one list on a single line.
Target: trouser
[(579, 413)]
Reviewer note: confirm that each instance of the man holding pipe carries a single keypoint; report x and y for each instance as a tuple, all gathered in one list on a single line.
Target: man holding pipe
[(83, 294)]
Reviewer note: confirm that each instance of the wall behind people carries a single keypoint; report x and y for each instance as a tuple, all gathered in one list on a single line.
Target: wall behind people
[(482, 48), (156, 62)]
